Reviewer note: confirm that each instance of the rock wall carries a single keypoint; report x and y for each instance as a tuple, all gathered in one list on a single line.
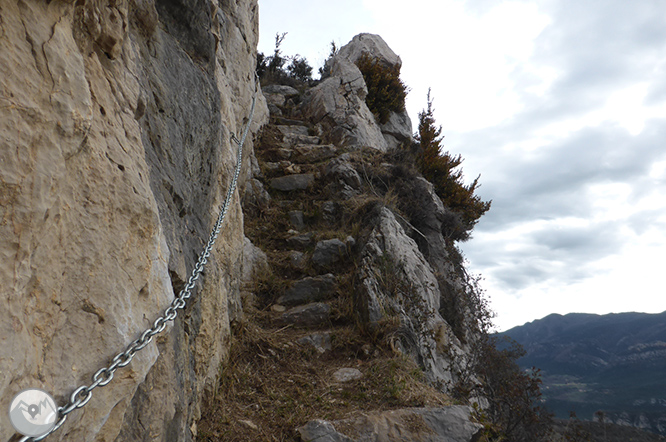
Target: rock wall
[(115, 153)]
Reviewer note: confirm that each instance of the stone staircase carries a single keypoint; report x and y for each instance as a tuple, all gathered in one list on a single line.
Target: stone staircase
[(293, 161)]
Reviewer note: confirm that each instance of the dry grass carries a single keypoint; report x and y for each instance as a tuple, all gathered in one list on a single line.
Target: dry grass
[(272, 385)]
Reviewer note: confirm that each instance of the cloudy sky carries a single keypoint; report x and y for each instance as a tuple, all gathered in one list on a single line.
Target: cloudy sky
[(561, 107)]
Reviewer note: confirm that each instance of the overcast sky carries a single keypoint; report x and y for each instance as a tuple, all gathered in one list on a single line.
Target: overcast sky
[(561, 107)]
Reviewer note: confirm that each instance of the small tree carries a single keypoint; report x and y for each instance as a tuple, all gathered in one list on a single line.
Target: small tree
[(514, 396), (441, 169), (274, 68)]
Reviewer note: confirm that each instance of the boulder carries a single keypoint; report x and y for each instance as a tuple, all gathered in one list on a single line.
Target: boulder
[(342, 170), (301, 241), (299, 181), (445, 424), (280, 89), (328, 252), (310, 289), (372, 45), (339, 102), (297, 259)]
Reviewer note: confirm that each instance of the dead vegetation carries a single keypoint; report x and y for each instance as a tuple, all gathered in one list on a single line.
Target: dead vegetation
[(272, 385)]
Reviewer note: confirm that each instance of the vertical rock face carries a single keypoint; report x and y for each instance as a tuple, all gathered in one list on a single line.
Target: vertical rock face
[(115, 121)]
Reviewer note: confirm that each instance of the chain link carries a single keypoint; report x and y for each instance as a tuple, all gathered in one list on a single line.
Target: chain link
[(103, 376)]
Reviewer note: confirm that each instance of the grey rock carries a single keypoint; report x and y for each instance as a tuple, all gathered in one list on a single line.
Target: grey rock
[(307, 153), (297, 259), (301, 241), (310, 289), (255, 194), (350, 242), (295, 139), (347, 374), (398, 129), (372, 45), (312, 314), (275, 100), (280, 89), (444, 424), (293, 130), (293, 182), (274, 109), (328, 252), (320, 341), (330, 211), (342, 170), (296, 219), (339, 101), (390, 254), (321, 431)]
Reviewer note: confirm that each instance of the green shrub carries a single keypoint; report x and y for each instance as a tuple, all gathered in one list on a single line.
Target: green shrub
[(442, 170), (386, 92)]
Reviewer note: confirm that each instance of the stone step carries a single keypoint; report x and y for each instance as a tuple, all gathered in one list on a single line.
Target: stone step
[(308, 153), (309, 315), (296, 139), (308, 290), (288, 121), (294, 130)]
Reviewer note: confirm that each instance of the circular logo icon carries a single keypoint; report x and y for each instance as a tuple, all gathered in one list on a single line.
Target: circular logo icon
[(33, 412)]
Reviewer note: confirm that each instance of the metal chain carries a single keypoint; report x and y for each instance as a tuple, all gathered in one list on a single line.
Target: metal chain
[(82, 395)]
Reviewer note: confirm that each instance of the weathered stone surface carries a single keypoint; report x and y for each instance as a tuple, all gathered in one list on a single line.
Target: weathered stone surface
[(301, 241), (297, 259), (321, 431), (391, 255), (328, 252), (372, 45), (397, 130), (342, 170), (293, 130), (288, 183), (316, 313), (310, 289), (280, 89), (330, 211), (114, 156), (296, 219), (255, 196), (446, 424), (339, 101), (320, 341), (347, 374), (306, 153)]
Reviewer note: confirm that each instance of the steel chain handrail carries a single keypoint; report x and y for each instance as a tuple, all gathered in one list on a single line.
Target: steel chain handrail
[(103, 376)]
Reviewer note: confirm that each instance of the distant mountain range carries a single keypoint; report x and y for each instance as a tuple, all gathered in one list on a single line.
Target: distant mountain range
[(612, 363)]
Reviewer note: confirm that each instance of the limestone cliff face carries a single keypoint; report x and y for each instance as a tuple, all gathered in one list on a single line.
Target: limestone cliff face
[(115, 153)]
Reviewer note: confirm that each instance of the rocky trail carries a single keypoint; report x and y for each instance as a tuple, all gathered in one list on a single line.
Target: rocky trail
[(302, 365)]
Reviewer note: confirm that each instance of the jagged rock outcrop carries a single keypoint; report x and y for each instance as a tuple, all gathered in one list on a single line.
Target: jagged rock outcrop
[(339, 101), (397, 280), (115, 153)]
